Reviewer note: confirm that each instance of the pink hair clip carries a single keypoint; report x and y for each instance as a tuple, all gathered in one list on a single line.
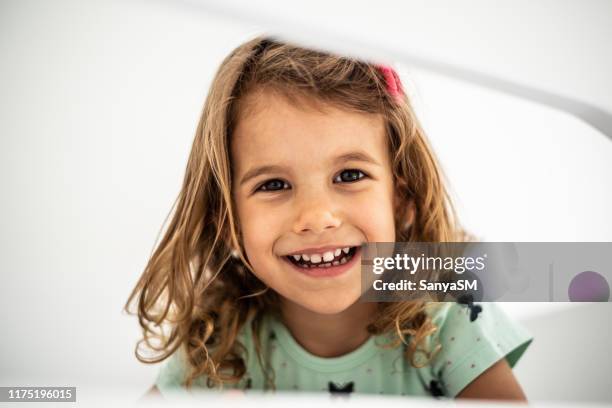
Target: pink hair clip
[(394, 85)]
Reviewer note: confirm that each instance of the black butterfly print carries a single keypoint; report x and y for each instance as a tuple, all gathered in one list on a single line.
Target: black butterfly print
[(468, 300), (434, 389), (345, 389)]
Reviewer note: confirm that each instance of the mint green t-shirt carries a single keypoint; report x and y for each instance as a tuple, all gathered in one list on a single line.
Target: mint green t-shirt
[(468, 348)]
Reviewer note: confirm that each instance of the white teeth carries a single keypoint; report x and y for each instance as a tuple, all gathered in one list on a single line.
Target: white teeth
[(327, 265), (325, 259), (328, 256)]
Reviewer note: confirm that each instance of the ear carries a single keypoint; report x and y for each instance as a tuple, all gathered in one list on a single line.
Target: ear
[(405, 209)]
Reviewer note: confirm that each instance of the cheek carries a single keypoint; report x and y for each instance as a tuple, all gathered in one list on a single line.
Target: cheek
[(260, 227), (373, 213)]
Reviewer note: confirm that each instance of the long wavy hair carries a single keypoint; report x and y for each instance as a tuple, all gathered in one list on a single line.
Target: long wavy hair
[(198, 291)]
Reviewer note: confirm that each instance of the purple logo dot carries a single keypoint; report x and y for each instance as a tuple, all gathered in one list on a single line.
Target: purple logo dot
[(589, 286)]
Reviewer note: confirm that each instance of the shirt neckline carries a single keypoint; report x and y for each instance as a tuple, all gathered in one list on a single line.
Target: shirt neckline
[(303, 357)]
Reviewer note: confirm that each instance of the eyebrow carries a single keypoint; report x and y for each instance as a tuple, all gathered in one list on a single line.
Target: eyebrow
[(356, 156), (351, 156)]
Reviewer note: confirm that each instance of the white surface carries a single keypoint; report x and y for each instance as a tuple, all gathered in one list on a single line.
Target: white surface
[(569, 358), (98, 107)]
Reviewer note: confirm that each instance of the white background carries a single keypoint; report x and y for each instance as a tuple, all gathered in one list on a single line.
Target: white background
[(98, 106)]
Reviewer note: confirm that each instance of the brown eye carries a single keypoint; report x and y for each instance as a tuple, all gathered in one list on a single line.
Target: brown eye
[(272, 185), (350, 176)]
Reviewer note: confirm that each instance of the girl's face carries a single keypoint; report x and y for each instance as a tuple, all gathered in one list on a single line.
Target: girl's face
[(310, 183)]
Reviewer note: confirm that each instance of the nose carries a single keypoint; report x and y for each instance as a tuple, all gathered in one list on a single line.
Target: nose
[(315, 213)]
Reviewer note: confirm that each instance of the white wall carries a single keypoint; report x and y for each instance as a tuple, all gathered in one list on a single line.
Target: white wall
[(98, 107)]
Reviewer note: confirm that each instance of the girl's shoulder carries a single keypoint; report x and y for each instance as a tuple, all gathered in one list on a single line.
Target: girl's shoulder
[(174, 370), (471, 338), (172, 373)]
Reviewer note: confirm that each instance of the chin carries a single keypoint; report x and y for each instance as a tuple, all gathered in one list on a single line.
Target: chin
[(329, 305)]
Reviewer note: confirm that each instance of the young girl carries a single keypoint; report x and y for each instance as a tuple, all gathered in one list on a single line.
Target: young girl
[(299, 158)]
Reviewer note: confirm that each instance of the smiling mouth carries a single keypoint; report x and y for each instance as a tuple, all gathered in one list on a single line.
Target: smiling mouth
[(318, 261)]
